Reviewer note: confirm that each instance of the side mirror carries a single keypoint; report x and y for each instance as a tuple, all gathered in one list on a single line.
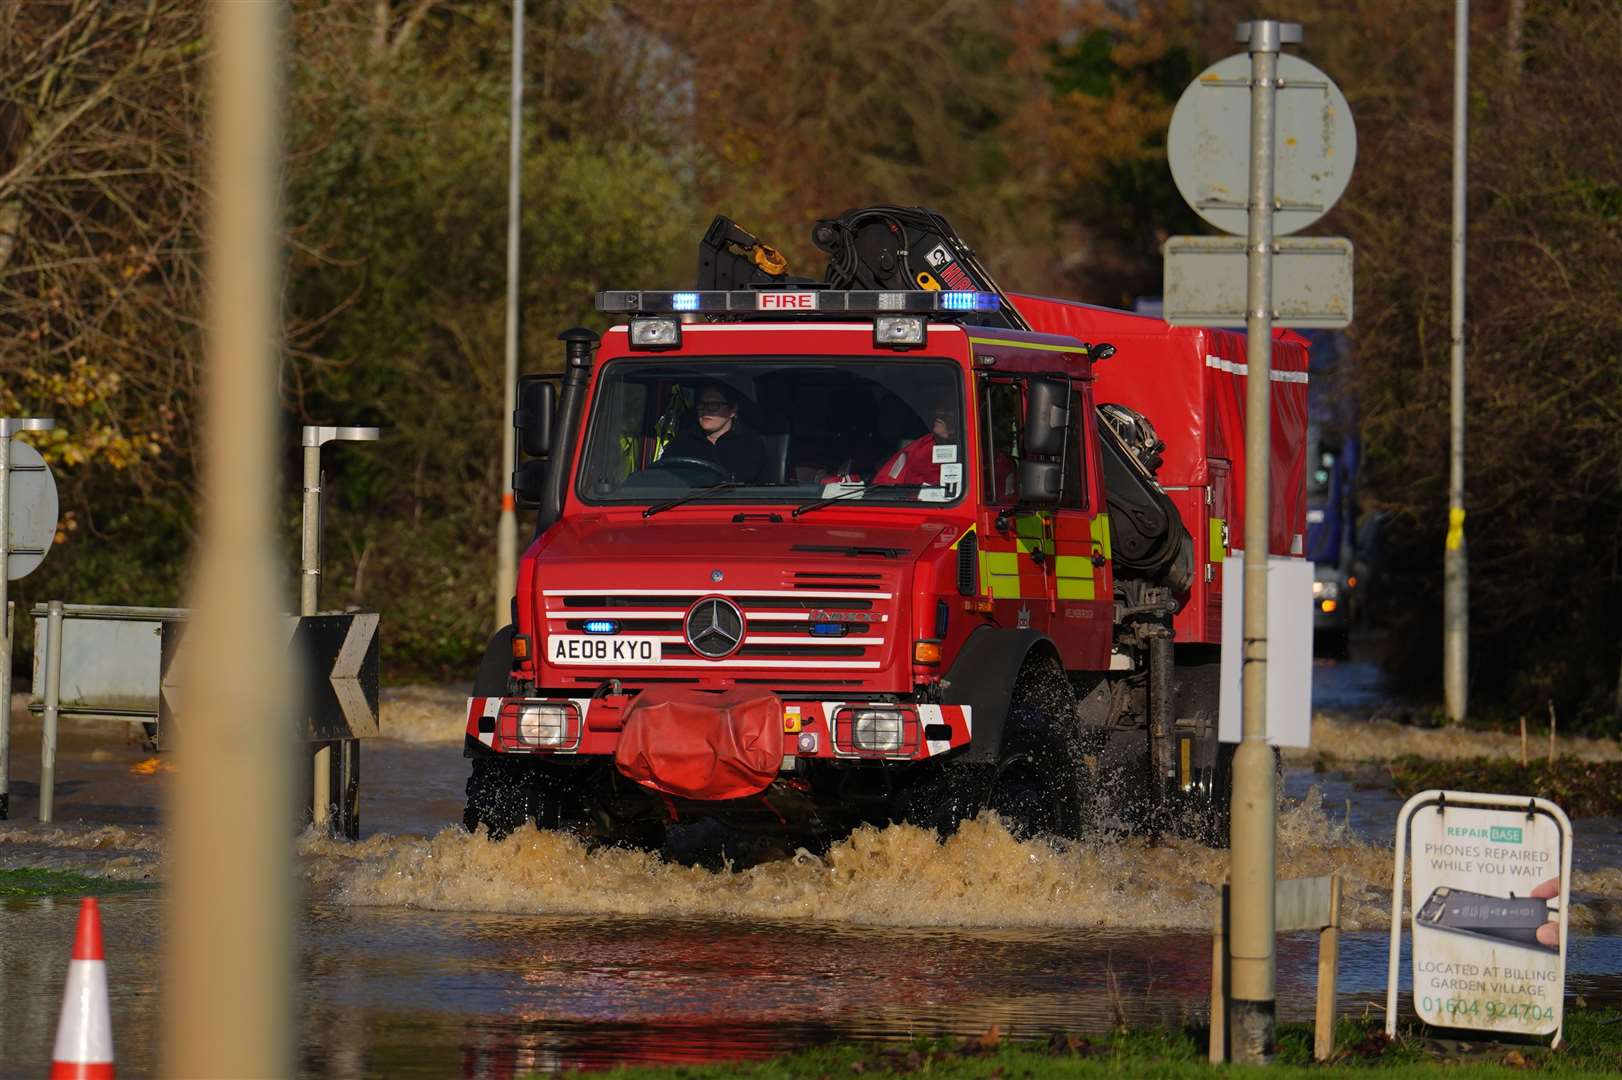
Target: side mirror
[(537, 405), (1047, 417), (1039, 483), (529, 482)]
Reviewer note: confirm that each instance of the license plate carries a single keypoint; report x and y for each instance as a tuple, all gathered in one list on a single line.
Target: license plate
[(589, 649)]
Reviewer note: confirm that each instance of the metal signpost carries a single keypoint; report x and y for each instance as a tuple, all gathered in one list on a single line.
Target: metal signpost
[(314, 438), (27, 529), (1301, 147)]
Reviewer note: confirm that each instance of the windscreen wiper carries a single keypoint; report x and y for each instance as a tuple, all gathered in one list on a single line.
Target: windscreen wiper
[(713, 489), (851, 494)]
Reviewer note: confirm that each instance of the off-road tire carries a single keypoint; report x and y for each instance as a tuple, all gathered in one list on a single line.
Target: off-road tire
[(1202, 812), (1041, 784), (498, 798), (497, 792)]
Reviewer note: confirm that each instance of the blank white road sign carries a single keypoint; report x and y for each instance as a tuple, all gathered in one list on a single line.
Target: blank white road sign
[(1289, 650), (31, 505), (1206, 278), (1208, 145)]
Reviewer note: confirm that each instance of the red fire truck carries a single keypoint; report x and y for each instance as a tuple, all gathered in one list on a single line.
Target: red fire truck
[(889, 545)]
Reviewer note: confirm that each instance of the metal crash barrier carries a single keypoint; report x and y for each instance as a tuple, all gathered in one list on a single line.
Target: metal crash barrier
[(98, 662)]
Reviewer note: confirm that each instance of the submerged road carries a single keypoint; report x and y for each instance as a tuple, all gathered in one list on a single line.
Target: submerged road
[(426, 952)]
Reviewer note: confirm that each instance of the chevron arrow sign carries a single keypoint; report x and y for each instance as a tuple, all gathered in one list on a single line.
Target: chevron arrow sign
[(337, 658)]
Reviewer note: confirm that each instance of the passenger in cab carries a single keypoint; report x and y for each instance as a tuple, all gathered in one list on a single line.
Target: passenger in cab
[(919, 462)]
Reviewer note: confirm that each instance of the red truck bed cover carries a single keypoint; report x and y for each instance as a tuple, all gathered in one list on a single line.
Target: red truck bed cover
[(1190, 383)]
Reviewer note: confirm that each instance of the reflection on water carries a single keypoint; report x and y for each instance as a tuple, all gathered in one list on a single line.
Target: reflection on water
[(431, 994), (427, 952)]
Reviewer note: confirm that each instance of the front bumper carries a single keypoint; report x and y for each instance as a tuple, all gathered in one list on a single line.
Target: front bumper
[(493, 724)]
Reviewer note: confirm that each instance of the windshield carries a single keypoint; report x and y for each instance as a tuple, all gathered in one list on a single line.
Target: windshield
[(887, 431)]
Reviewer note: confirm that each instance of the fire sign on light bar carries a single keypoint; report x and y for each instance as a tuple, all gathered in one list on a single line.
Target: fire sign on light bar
[(787, 301), (797, 301)]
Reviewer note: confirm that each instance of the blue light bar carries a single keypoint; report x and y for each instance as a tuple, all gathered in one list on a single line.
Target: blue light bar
[(827, 629), (684, 301), (600, 626), (969, 301)]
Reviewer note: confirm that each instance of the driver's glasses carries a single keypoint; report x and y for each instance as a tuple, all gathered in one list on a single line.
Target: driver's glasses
[(717, 406)]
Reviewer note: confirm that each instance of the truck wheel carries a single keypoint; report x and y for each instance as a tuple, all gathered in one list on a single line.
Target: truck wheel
[(1214, 819), (1203, 814), (497, 798), (497, 791), (1041, 778), (1211, 816)]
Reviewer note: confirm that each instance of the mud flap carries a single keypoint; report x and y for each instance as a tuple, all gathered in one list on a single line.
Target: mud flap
[(694, 745)]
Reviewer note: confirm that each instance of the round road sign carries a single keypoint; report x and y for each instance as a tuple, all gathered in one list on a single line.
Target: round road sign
[(1208, 145), (31, 505)]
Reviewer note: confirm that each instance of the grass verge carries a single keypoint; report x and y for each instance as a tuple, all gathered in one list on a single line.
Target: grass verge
[(1593, 1048), (35, 883), (1580, 788)]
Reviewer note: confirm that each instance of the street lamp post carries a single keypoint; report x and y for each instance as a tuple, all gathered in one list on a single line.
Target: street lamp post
[(507, 532), (9, 426), (1455, 560), (310, 595)]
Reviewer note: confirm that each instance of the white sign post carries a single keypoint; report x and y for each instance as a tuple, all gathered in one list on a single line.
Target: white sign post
[(1491, 881)]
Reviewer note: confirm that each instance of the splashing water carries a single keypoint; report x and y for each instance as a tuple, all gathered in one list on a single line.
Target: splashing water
[(895, 876)]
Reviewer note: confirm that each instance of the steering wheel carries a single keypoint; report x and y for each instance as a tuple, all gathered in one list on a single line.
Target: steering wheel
[(721, 471)]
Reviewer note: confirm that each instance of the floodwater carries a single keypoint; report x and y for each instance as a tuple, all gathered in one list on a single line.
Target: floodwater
[(427, 952)]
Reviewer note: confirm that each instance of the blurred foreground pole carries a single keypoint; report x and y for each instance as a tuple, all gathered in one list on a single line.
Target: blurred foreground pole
[(1455, 564), (1251, 938), (227, 995), (507, 533)]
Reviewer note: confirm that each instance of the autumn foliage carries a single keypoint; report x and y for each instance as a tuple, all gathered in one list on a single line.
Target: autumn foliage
[(1037, 126)]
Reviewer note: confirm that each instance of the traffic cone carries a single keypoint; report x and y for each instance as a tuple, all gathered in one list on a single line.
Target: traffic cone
[(84, 1037)]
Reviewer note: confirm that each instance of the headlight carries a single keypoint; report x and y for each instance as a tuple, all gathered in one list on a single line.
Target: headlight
[(898, 332), (539, 725), (1325, 590), (880, 730), (655, 334)]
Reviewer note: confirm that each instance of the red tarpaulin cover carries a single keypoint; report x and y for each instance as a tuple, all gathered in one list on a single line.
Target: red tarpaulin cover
[(703, 746)]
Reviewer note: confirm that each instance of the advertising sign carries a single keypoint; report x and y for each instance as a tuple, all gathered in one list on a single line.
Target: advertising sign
[(1488, 898)]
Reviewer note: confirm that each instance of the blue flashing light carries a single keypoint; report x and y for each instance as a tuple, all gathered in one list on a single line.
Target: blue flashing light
[(601, 626), (684, 301), (956, 300), (827, 629)]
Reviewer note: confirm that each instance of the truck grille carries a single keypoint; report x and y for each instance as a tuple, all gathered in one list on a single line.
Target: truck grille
[(778, 632)]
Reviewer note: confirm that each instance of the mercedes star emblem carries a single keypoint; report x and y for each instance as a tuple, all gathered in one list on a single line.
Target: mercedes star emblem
[(714, 627)]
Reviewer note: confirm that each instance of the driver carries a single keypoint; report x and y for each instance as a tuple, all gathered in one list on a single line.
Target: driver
[(720, 437)]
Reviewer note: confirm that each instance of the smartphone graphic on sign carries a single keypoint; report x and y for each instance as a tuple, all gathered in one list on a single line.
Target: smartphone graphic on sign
[(1511, 920)]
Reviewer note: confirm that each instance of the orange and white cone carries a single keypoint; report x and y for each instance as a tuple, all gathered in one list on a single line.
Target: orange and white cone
[(84, 1037)]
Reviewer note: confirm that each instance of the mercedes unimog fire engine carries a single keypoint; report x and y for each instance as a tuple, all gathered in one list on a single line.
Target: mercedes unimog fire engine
[(889, 545)]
